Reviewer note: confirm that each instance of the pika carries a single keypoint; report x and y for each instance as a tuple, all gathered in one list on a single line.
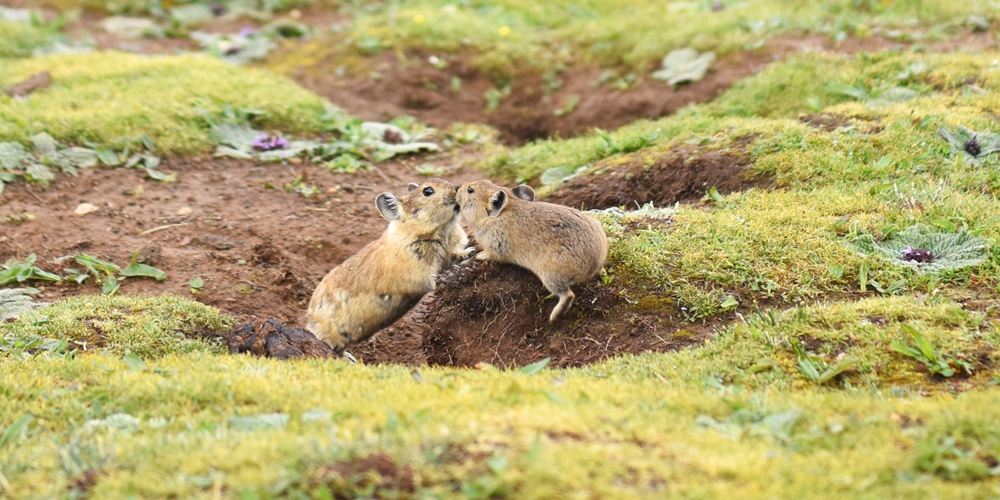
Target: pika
[(562, 246), (378, 285)]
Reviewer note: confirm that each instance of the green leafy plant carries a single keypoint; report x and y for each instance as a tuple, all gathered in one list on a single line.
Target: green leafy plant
[(536, 367), (816, 368), (955, 458), (357, 140), (970, 144), (37, 165), (684, 66), (935, 361), (15, 301), (19, 271), (926, 251), (107, 274)]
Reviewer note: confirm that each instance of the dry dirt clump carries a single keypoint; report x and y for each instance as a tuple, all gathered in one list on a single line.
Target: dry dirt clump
[(269, 338), (376, 473), (683, 175), (498, 314)]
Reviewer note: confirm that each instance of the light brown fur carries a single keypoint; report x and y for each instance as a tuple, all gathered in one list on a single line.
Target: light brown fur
[(562, 246), (376, 286)]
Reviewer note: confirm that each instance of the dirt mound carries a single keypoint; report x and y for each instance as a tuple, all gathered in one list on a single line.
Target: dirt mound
[(683, 175), (498, 314), (377, 474), (269, 338)]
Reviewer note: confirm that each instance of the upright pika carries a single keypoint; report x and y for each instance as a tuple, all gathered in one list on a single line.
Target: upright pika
[(376, 286), (562, 246)]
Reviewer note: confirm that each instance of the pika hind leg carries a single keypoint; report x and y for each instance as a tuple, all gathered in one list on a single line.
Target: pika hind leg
[(565, 302)]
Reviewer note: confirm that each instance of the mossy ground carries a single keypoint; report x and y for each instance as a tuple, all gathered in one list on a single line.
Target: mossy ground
[(114, 99), (508, 34), (18, 39), (736, 417), (143, 325)]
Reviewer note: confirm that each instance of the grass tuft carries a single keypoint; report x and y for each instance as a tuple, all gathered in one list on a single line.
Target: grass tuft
[(113, 98), (147, 326)]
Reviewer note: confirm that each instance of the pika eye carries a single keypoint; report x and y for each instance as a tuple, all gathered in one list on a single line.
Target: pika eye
[(428, 191), (471, 190)]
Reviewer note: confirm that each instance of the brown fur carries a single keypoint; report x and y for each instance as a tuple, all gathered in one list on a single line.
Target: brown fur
[(562, 246), (384, 280)]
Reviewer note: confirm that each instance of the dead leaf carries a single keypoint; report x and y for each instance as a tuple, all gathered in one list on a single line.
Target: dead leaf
[(84, 209)]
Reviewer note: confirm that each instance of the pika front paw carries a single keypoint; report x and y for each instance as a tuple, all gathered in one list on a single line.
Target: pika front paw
[(465, 254)]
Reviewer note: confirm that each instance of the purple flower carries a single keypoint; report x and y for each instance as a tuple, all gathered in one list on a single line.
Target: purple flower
[(918, 255), (269, 143), (245, 32)]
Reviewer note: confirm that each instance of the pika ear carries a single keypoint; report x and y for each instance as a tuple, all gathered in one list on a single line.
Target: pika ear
[(497, 203), (413, 185), (388, 206), (524, 192)]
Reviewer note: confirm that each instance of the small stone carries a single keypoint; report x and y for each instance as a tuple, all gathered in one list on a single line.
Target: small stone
[(84, 209), (185, 211)]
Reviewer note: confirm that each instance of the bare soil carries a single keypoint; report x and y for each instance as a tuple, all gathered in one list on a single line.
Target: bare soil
[(394, 84), (683, 175), (498, 314), (259, 249)]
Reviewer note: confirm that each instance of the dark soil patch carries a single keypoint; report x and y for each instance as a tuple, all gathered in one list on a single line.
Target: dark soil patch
[(498, 314), (376, 473), (825, 121), (683, 175), (269, 338)]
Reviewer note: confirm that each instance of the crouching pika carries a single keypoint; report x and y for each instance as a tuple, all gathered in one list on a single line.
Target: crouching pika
[(376, 286), (562, 246)]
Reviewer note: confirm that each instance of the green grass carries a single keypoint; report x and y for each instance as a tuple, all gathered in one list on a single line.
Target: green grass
[(146, 326), (147, 7), (507, 34), (115, 98), (799, 393), (18, 39), (611, 430), (885, 170)]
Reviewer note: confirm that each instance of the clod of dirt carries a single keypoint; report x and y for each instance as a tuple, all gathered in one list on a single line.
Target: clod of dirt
[(149, 254), (373, 472), (683, 175), (35, 82), (215, 241), (269, 338), (825, 121), (498, 314)]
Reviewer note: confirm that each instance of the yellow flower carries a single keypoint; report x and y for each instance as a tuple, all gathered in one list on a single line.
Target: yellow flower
[(504, 31), (418, 18)]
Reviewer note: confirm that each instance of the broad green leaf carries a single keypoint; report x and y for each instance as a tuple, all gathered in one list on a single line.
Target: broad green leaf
[(847, 90), (16, 429), (142, 270), (262, 421), (134, 362), (95, 265), (837, 369), (536, 367), (110, 286)]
